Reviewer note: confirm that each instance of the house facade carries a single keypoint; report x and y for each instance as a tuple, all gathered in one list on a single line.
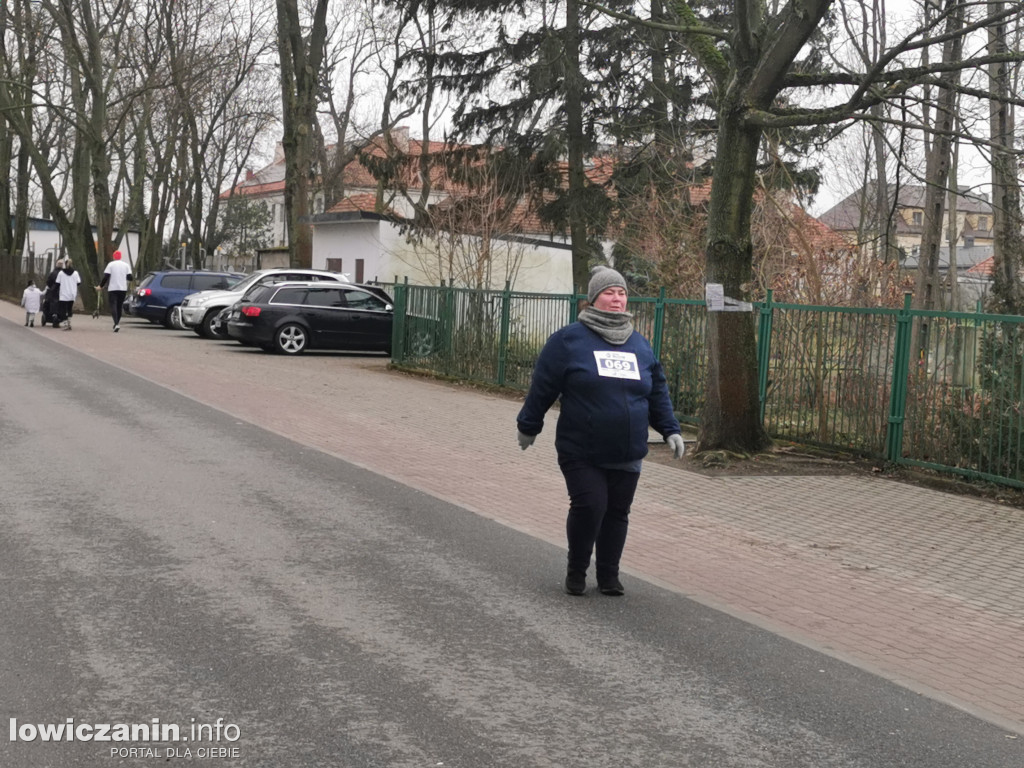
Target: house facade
[(368, 234), (856, 217), (371, 240)]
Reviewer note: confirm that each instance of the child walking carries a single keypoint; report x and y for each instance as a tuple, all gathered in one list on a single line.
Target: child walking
[(30, 299)]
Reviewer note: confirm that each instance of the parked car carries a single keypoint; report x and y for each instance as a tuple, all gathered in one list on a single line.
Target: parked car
[(292, 317), (219, 323), (199, 311), (160, 292)]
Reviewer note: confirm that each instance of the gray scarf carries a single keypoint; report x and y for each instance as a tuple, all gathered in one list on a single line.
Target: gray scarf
[(613, 327)]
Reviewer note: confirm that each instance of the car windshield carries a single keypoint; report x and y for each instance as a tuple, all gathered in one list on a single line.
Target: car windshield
[(259, 294), (247, 282)]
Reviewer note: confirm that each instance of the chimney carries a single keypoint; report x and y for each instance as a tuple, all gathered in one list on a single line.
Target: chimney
[(400, 136)]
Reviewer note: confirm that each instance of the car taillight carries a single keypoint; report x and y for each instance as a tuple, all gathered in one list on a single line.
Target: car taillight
[(251, 311), (144, 292)]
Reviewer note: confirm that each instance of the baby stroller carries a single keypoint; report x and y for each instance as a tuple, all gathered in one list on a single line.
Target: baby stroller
[(48, 309)]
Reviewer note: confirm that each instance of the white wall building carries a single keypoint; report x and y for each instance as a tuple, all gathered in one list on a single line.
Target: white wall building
[(44, 245), (370, 247), (367, 246)]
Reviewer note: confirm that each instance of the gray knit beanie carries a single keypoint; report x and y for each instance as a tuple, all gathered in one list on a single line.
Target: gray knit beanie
[(601, 278)]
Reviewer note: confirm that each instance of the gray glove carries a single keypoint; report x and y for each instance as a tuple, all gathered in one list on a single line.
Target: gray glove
[(675, 442), (525, 441)]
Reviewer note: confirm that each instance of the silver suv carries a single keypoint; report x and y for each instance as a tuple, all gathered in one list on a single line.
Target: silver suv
[(198, 311)]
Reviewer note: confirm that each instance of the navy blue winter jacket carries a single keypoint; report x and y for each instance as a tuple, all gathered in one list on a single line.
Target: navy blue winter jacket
[(604, 418)]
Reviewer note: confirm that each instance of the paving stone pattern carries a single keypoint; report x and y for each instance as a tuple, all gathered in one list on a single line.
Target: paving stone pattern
[(923, 587)]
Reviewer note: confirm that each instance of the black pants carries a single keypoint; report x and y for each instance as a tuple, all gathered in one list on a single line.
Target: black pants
[(116, 299), (65, 309), (599, 503)]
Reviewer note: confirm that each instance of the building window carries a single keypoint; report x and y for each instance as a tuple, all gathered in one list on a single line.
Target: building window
[(334, 265), (917, 217), (982, 223), (359, 270)]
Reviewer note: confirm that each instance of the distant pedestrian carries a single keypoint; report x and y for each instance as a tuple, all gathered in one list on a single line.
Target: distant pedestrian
[(611, 387), (67, 282), (51, 298), (31, 298), (116, 277)]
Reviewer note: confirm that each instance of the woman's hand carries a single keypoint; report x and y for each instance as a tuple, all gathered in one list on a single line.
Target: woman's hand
[(525, 441), (675, 442)]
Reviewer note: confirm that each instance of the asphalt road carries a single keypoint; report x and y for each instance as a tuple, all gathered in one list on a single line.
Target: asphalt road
[(161, 561)]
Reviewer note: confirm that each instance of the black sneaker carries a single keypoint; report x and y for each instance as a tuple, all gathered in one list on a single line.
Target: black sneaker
[(575, 583), (610, 586)]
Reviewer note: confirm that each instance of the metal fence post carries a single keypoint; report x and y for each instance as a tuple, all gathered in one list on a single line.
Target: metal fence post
[(659, 323), (764, 349), (398, 324), (898, 391), (448, 310), (506, 312)]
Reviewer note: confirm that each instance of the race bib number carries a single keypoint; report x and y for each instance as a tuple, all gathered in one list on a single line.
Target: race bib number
[(617, 365)]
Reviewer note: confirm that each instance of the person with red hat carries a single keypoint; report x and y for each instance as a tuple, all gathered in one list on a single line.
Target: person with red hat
[(116, 276)]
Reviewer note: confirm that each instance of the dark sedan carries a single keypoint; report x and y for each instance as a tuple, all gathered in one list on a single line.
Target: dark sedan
[(292, 317)]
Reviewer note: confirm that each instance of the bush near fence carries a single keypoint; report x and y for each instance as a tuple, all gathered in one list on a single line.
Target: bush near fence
[(838, 377)]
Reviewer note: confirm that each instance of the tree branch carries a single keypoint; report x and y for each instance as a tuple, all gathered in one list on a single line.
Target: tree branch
[(799, 23)]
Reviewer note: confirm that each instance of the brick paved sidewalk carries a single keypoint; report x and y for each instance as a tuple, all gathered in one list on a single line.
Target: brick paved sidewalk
[(922, 587)]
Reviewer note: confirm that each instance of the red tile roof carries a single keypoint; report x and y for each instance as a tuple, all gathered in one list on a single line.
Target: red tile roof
[(986, 267), (360, 203), (524, 218)]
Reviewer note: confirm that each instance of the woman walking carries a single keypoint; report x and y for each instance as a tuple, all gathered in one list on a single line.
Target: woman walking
[(611, 388), (67, 283)]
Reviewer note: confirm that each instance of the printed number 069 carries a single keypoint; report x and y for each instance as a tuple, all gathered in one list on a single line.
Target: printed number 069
[(618, 365)]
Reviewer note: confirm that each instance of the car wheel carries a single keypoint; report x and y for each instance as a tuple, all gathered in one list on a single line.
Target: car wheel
[(206, 325), (290, 339), (422, 343), (168, 321)]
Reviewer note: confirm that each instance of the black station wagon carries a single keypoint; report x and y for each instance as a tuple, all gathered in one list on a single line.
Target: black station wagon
[(292, 317)]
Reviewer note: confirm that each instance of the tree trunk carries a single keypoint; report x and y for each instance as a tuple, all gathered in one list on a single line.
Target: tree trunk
[(883, 204), (301, 63), (574, 142), (7, 252), (732, 415), (953, 234), (1008, 250), (936, 183)]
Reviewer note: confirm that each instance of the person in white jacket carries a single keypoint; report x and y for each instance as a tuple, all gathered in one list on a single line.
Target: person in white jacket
[(30, 299), (116, 277), (67, 282)]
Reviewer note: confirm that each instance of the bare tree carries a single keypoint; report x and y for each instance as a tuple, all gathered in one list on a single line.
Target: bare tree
[(17, 23), (302, 50), (939, 158), (474, 235), (1009, 246)]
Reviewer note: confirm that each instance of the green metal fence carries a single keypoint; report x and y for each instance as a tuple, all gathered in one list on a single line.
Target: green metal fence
[(942, 390)]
